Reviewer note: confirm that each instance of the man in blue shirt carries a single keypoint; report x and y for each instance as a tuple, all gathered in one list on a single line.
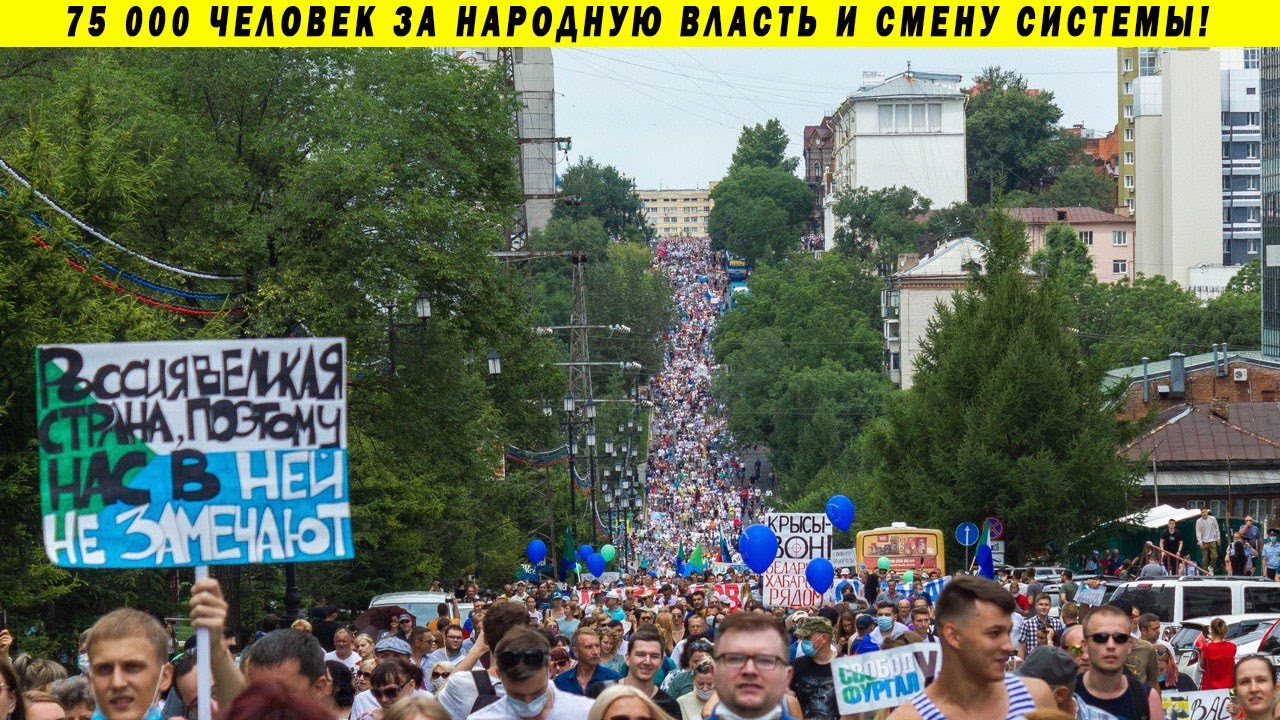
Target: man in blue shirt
[(1271, 553), (588, 671)]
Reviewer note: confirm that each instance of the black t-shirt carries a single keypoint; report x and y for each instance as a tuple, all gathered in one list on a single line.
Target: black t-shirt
[(324, 631), (815, 687), (667, 703), (1131, 705), (1169, 541)]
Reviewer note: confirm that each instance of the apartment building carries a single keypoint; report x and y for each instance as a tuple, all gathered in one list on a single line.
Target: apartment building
[(677, 212)]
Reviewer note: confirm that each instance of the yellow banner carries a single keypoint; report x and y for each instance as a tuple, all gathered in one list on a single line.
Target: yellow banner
[(664, 23)]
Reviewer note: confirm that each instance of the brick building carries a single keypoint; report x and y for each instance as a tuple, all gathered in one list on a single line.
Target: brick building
[(819, 143)]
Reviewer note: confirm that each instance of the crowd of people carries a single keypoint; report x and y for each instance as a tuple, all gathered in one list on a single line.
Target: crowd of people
[(654, 652), (699, 489), (1246, 553)]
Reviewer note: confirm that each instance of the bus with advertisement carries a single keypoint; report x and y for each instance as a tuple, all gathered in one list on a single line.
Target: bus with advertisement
[(908, 548)]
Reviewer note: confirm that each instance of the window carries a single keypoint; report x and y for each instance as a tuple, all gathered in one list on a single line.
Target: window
[(1119, 238), (1201, 601), (1218, 508), (1253, 246), (1251, 150), (1128, 134), (1258, 509), (901, 118), (1226, 150), (917, 117), (895, 361), (1128, 182), (1128, 88), (1262, 599), (1195, 504), (1158, 600), (1253, 214), (1086, 236), (1226, 214), (1128, 111), (1128, 157), (1119, 267), (935, 116), (1128, 64), (886, 118), (817, 168), (1251, 91), (1251, 58), (1128, 203)]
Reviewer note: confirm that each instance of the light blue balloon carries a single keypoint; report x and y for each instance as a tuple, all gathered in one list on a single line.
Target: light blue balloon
[(595, 564), (758, 546), (840, 512), (537, 551), (819, 573)]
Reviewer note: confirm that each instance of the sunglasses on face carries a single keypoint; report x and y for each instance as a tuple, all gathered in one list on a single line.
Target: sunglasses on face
[(438, 675), (512, 658), (1118, 638), (388, 692), (1076, 650)]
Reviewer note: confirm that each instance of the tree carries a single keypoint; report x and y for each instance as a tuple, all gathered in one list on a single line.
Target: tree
[(1013, 138), (1064, 259), (759, 213), (1005, 417), (1080, 186), (763, 146), (878, 225), (605, 194)]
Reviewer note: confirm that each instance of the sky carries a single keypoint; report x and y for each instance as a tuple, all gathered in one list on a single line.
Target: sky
[(670, 117)]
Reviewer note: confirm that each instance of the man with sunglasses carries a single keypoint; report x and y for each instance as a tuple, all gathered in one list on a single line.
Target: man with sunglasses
[(470, 690), (522, 660), (588, 671), (1105, 685)]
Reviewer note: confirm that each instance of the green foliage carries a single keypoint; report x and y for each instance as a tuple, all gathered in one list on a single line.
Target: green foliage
[(1079, 186), (607, 195), (763, 146), (1013, 137), (878, 225), (800, 363), (1064, 259), (1005, 417), (759, 213)]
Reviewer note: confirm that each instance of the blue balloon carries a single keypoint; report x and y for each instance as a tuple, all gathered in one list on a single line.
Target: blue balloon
[(595, 564), (537, 551), (840, 512), (819, 573), (758, 546), (584, 552)]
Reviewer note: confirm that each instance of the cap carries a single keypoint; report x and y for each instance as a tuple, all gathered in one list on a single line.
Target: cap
[(405, 616), (392, 644), (1050, 664), (864, 622), (813, 625), (844, 572)]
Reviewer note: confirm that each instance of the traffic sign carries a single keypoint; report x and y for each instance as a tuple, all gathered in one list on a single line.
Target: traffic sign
[(995, 528), (966, 534)]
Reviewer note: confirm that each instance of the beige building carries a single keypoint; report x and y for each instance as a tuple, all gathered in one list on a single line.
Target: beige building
[(677, 212), (1111, 239)]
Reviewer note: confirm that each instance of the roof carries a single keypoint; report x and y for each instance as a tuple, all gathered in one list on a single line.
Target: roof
[(1193, 433), (912, 84), (1159, 516), (822, 130), (1160, 368), (1070, 215), (948, 259)]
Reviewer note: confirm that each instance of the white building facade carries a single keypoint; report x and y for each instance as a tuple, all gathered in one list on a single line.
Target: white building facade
[(907, 130)]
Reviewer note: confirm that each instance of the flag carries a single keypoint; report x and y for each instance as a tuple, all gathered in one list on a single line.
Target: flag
[(725, 555), (696, 560), (986, 567), (568, 556), (680, 560)]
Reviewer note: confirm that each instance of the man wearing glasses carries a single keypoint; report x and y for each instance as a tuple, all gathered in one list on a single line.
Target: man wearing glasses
[(1104, 685), (522, 660), (751, 671)]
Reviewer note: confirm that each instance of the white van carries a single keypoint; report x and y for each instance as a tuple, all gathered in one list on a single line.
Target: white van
[(1174, 599), (422, 604)]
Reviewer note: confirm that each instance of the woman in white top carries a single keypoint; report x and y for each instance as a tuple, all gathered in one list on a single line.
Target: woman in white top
[(704, 686)]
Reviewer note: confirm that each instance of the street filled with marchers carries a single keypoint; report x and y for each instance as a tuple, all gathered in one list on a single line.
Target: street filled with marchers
[(312, 376)]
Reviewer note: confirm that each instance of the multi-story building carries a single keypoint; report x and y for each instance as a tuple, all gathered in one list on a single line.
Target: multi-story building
[(818, 144), (1110, 238), (677, 212), (1176, 175), (906, 130), (1269, 90), (1239, 130)]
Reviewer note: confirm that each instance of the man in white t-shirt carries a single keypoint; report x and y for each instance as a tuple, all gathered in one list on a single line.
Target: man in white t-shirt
[(460, 694), (342, 651), (529, 695)]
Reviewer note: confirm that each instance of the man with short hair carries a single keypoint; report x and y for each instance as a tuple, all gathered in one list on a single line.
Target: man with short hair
[(404, 626), (452, 651), (128, 651), (1105, 685), (973, 617), (588, 671), (1029, 635), (811, 678), (1067, 590), (1059, 671), (1209, 535), (1141, 660), (1171, 543), (342, 651), (644, 657), (922, 624), (694, 626), (1149, 630), (326, 629), (522, 663), (751, 671), (1073, 642), (292, 659), (462, 694)]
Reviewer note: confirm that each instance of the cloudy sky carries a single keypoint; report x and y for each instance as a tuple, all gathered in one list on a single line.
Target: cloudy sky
[(670, 117)]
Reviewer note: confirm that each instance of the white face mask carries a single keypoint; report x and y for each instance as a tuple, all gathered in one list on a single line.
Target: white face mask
[(704, 694)]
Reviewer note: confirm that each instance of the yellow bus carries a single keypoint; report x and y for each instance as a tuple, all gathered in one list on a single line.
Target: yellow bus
[(908, 548)]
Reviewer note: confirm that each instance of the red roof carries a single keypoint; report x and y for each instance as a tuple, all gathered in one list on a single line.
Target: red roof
[(1192, 433), (1071, 215)]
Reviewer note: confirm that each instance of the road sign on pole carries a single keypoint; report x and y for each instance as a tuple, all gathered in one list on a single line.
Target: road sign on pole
[(967, 534)]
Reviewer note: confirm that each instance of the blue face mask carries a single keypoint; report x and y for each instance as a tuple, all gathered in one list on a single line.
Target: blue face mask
[(807, 648), (524, 709), (885, 623)]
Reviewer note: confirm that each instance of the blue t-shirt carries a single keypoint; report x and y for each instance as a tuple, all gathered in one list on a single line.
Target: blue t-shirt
[(866, 645), (1271, 552)]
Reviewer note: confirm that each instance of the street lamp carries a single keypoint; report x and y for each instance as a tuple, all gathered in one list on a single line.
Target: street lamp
[(547, 409), (423, 308), (591, 456), (495, 363), (570, 405), (591, 411), (608, 445), (570, 402)]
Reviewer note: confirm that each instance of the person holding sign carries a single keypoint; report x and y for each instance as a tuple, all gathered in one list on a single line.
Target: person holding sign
[(973, 617)]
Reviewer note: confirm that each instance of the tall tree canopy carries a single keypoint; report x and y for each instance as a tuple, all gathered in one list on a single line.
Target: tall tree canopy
[(763, 146), (604, 193), (759, 213)]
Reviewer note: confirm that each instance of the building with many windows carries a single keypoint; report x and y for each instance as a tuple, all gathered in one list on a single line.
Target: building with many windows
[(677, 212), (1109, 237), (818, 143), (1269, 90)]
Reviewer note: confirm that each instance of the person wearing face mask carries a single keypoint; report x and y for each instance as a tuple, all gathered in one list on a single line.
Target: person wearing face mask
[(522, 660), (127, 665), (704, 686), (1271, 554), (811, 678), (872, 642), (440, 672)]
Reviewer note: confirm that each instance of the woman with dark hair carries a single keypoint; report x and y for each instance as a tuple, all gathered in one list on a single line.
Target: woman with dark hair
[(273, 701), (343, 687), (11, 707)]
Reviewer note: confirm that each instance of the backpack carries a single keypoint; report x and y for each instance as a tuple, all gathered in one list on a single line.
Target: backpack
[(487, 695)]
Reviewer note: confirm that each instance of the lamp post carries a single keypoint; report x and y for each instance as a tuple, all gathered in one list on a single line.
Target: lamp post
[(571, 407), (591, 456)]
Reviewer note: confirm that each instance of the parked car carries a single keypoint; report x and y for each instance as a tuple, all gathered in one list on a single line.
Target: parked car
[(1248, 632), (1176, 599), (422, 604)]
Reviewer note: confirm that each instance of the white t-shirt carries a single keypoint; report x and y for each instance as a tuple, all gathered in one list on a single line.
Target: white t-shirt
[(365, 702), (352, 661), (564, 706), (460, 693)]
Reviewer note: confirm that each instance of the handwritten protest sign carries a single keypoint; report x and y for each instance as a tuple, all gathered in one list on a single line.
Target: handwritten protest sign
[(1090, 596), (174, 454), (801, 538), (884, 679), (1206, 705)]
